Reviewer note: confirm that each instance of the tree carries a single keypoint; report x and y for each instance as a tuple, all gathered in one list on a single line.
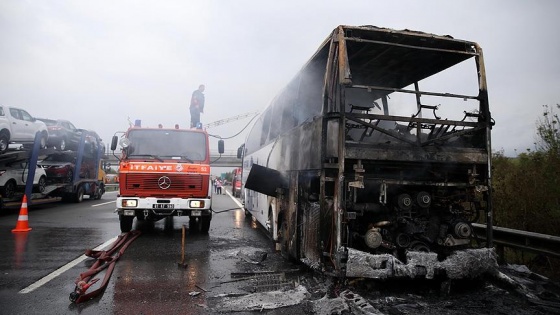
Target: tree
[(548, 132)]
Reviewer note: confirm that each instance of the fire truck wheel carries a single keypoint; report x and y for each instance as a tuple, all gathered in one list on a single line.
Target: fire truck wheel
[(205, 224), (193, 225), (126, 223)]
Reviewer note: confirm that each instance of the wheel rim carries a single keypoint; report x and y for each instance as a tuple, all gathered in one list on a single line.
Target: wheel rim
[(9, 189), (3, 144), (42, 184), (69, 176), (80, 193)]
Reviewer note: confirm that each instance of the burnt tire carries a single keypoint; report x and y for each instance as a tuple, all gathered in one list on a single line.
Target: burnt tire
[(126, 223)]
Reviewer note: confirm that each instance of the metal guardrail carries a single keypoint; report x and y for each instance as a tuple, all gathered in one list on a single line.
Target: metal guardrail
[(548, 245), (111, 187)]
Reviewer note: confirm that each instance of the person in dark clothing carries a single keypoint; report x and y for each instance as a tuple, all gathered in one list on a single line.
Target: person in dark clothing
[(197, 105)]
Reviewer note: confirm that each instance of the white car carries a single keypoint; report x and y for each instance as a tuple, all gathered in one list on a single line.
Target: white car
[(18, 126), (13, 177)]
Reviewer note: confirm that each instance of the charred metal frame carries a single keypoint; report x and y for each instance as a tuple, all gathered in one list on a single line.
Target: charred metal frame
[(334, 108), (322, 205)]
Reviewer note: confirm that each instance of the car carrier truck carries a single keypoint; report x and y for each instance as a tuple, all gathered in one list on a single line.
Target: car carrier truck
[(73, 186)]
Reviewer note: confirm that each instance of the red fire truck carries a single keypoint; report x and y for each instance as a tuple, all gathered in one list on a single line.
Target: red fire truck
[(236, 182), (164, 172)]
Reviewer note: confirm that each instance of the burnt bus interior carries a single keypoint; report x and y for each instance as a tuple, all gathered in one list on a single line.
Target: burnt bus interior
[(412, 140), (385, 143)]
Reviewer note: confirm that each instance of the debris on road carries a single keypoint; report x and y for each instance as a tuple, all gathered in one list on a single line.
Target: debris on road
[(253, 257), (467, 264), (263, 300)]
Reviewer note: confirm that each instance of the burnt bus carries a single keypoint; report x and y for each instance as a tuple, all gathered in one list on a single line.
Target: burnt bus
[(375, 159)]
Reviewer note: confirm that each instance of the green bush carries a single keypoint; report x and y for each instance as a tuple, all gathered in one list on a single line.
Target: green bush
[(526, 192)]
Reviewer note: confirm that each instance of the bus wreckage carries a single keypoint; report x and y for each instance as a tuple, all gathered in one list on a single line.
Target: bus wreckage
[(376, 158)]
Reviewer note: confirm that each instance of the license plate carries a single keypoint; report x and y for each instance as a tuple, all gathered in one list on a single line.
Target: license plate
[(195, 213), (163, 206)]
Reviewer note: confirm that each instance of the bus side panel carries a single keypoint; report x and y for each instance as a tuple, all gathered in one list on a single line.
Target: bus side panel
[(298, 149), (309, 219), (255, 203), (293, 151)]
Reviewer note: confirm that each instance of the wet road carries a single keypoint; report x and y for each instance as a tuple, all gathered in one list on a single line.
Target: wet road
[(232, 269), (147, 278)]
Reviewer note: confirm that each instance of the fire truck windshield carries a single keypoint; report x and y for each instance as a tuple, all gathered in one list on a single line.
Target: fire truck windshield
[(167, 144)]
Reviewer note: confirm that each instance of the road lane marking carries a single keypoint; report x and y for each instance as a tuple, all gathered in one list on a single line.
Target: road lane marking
[(62, 269), (103, 203), (235, 200)]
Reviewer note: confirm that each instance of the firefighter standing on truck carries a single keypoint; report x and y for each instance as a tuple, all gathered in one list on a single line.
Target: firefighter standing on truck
[(197, 105)]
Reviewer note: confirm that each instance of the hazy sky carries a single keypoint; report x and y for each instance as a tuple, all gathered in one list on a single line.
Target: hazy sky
[(100, 63)]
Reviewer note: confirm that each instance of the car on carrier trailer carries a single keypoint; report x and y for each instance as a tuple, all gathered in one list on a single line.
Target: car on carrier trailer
[(72, 188)]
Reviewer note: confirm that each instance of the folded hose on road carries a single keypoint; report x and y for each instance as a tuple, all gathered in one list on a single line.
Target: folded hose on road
[(106, 259)]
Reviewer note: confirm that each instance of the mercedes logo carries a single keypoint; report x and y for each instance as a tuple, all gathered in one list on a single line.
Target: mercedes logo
[(164, 182)]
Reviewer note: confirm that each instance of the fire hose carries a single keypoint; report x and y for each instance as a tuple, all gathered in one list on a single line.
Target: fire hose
[(106, 259)]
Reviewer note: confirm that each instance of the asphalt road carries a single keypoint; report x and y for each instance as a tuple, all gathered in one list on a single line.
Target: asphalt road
[(232, 269), (147, 278)]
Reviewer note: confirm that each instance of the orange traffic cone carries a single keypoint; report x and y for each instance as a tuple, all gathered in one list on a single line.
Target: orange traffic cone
[(22, 223)]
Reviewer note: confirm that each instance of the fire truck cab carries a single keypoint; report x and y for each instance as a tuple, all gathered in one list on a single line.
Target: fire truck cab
[(164, 172)]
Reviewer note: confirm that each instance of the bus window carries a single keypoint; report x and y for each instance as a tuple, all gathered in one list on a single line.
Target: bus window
[(265, 127)]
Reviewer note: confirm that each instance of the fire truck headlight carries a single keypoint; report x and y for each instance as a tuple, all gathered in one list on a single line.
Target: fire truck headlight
[(127, 203), (196, 204)]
